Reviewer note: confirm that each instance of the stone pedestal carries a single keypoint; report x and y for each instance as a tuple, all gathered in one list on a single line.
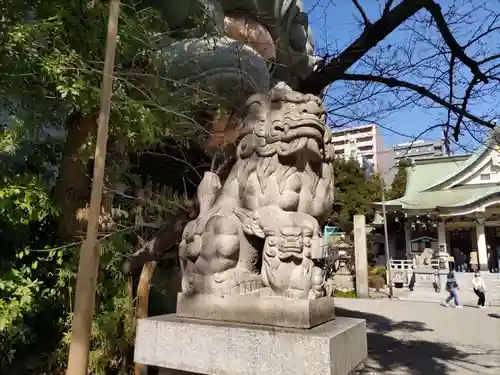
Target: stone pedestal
[(272, 311), (428, 278), (171, 343)]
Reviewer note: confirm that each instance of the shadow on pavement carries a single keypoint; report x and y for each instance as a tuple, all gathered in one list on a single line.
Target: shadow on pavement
[(493, 315), (380, 323), (388, 354)]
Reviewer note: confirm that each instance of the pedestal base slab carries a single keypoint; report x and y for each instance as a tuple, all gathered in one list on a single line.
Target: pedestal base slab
[(171, 343)]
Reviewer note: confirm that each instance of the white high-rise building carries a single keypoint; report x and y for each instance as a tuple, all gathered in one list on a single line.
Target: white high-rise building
[(361, 143), (352, 152)]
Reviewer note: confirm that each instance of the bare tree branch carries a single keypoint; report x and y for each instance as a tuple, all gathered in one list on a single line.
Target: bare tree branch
[(489, 58), (435, 10), (450, 100), (368, 39), (465, 102), (366, 21), (393, 82), (387, 6)]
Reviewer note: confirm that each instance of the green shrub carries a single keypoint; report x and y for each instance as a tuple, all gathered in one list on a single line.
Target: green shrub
[(378, 270), (348, 294)]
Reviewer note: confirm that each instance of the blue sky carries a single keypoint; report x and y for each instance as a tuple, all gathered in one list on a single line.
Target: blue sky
[(336, 23)]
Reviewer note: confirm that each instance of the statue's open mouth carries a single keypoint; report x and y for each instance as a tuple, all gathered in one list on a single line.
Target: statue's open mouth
[(291, 247), (289, 255), (296, 134)]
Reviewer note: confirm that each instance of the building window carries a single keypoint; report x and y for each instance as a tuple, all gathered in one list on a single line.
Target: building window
[(485, 177)]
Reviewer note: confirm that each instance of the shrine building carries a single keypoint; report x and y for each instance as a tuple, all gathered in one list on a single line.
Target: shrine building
[(454, 199)]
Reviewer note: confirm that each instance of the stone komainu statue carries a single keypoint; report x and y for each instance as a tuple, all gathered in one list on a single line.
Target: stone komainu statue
[(259, 232)]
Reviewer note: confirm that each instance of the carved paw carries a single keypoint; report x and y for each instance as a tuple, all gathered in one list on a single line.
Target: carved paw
[(295, 294), (316, 293), (235, 281), (187, 285)]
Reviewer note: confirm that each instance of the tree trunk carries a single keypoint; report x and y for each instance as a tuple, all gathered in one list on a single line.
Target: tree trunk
[(73, 184), (142, 303)]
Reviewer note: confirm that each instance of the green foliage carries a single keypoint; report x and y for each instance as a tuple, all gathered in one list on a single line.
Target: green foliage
[(38, 271), (112, 328), (34, 282), (52, 53), (354, 193), (398, 185), (18, 291), (380, 270), (25, 277), (51, 56), (22, 204), (342, 294)]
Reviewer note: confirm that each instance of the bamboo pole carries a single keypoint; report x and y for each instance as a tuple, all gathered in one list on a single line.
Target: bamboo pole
[(89, 253)]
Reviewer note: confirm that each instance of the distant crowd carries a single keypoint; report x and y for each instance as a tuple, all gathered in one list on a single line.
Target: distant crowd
[(468, 262)]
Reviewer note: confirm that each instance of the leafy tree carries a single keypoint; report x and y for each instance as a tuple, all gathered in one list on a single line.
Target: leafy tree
[(51, 61), (37, 274), (27, 216), (354, 193), (53, 77), (398, 185)]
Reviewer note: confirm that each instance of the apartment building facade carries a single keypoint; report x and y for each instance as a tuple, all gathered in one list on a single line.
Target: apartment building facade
[(420, 149), (361, 143)]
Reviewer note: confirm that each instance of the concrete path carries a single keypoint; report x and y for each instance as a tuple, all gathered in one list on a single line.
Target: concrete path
[(427, 339), (466, 294)]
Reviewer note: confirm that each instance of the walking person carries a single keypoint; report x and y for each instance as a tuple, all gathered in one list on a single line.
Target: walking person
[(459, 260), (467, 262), (452, 288), (480, 289), (497, 248), (491, 259)]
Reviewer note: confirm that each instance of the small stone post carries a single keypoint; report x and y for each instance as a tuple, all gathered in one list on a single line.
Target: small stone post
[(361, 256)]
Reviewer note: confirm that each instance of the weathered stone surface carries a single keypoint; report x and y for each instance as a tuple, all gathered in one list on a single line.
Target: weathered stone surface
[(336, 347), (360, 257), (270, 208), (274, 37), (273, 311)]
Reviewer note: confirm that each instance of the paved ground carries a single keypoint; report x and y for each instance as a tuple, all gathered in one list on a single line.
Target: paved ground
[(467, 296), (421, 338)]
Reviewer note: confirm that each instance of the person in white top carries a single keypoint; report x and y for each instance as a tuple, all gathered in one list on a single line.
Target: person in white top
[(479, 289)]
